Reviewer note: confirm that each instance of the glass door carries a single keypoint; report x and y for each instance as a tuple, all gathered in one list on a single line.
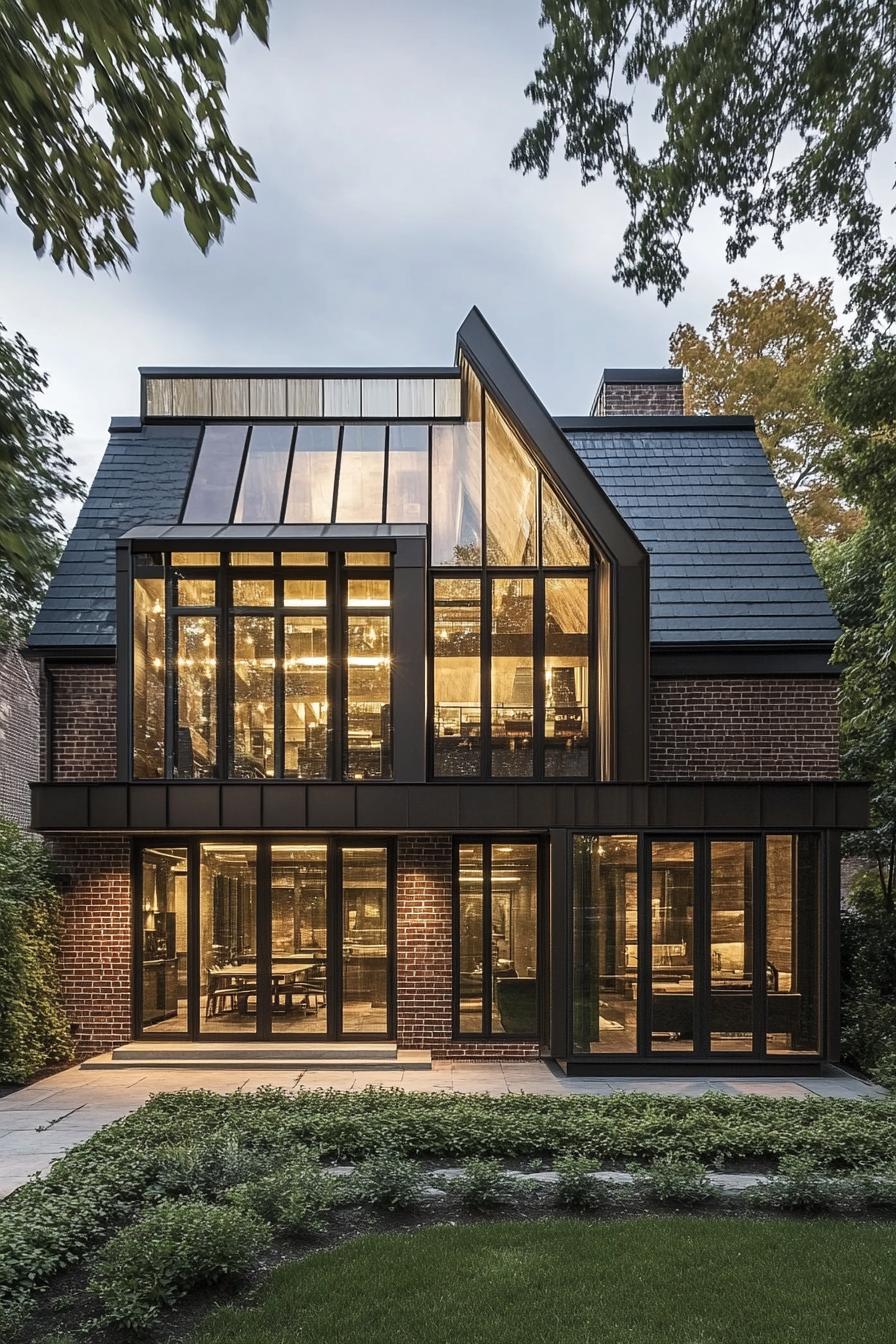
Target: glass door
[(300, 940), (365, 918)]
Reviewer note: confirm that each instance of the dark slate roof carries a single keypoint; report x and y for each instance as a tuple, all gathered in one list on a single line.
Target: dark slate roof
[(726, 562), (142, 475)]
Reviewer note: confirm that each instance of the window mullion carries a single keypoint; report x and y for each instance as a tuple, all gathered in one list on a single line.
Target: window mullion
[(279, 679)]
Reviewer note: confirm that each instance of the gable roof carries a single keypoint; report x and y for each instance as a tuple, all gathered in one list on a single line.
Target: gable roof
[(726, 561), (141, 477)]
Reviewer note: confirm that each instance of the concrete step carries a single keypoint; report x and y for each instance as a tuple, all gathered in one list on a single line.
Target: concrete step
[(297, 1059), (151, 1051)]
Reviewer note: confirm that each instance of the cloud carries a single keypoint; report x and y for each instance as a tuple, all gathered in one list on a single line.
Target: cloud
[(385, 208)]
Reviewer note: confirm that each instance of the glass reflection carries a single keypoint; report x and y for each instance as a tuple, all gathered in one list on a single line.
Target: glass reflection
[(512, 677), (456, 677), (210, 498), (196, 697), (253, 697), (361, 466), (163, 902), (793, 959), (309, 497), (299, 939), (368, 676), (511, 481), (196, 592), (264, 475), (563, 543), (731, 945), (514, 905), (228, 975), (365, 941), (149, 678), (456, 532), (672, 945), (407, 492), (605, 944), (470, 943), (566, 677)]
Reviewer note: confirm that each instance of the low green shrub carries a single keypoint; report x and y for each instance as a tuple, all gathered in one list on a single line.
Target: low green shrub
[(386, 1180), (170, 1250), (484, 1184), (34, 1029), (204, 1168), (799, 1184), (674, 1180), (577, 1187), (295, 1200)]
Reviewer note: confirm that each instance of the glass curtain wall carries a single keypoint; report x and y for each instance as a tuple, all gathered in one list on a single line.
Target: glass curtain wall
[(704, 927), (299, 939), (164, 939), (457, 690), (512, 677), (149, 678), (228, 938), (567, 677), (365, 940), (605, 944), (368, 703), (497, 951)]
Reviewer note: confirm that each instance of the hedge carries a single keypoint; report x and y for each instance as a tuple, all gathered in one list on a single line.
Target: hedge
[(33, 1027)]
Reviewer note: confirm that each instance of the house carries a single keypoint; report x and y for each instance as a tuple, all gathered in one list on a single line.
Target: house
[(381, 706)]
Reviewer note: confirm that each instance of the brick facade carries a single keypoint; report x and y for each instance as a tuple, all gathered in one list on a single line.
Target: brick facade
[(84, 718), (640, 399), (96, 941), (19, 732), (744, 728)]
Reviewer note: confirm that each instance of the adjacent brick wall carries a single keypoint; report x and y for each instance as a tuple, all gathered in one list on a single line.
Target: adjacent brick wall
[(423, 967), (84, 719), (19, 725), (744, 728), (96, 942), (640, 399)]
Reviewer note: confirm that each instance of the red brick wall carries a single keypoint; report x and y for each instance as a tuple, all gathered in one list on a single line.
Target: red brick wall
[(84, 716), (641, 399), (744, 728), (96, 942), (423, 962)]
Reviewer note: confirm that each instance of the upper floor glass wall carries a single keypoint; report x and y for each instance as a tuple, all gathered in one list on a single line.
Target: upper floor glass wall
[(267, 666)]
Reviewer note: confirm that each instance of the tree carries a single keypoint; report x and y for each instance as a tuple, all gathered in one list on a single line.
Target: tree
[(35, 474), (99, 100), (773, 111), (763, 354)]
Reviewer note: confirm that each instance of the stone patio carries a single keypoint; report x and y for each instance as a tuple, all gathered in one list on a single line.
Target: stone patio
[(40, 1122)]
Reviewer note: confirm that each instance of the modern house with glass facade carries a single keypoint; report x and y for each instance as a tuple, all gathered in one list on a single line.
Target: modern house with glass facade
[(382, 706)]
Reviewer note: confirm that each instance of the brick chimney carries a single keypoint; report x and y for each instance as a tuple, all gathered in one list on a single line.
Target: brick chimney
[(640, 392)]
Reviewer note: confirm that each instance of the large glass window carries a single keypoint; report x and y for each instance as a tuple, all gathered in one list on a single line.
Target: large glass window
[(149, 678), (793, 954), (567, 667), (456, 677), (165, 934), (456, 531), (253, 697), (511, 482), (512, 677), (496, 911), (306, 680), (361, 467), (731, 945), (299, 939), (407, 494), (264, 474), (228, 938), (210, 497), (310, 495), (563, 544), (605, 944), (368, 679), (365, 940), (196, 697), (672, 945)]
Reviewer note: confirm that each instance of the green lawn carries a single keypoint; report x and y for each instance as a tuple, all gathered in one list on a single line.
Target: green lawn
[(677, 1280)]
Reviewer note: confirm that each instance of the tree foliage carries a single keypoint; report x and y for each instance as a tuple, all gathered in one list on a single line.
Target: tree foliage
[(99, 99), (764, 353), (773, 111), (35, 476)]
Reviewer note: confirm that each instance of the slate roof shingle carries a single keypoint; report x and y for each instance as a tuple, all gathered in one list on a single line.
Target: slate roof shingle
[(726, 561), (727, 564)]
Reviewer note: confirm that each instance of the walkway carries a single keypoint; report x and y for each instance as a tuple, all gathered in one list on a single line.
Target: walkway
[(40, 1122)]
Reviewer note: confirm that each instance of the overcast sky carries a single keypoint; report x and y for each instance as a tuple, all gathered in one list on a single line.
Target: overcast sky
[(385, 208)]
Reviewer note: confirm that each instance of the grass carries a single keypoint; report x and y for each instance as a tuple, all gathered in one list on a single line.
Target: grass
[(682, 1281)]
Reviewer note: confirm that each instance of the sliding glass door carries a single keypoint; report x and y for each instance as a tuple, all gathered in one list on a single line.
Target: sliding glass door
[(264, 940)]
